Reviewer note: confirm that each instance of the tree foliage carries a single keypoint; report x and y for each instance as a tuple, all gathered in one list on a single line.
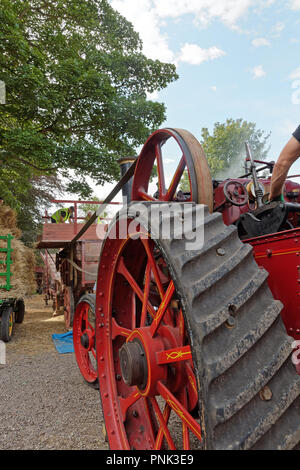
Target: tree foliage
[(225, 148), (77, 84)]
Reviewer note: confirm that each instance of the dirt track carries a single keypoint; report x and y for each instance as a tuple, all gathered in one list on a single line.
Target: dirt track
[(44, 402)]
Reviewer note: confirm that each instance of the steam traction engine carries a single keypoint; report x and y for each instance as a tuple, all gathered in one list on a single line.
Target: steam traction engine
[(191, 348)]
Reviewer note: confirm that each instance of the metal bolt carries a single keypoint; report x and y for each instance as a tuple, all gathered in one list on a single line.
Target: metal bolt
[(135, 414), (221, 252), (265, 393), (118, 377), (230, 322)]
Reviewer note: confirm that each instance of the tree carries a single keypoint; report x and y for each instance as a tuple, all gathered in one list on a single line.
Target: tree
[(91, 208), (225, 148), (76, 83)]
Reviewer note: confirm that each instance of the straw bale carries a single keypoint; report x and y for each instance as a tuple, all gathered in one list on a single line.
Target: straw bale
[(23, 277)]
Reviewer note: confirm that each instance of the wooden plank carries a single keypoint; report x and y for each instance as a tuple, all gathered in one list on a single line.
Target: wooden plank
[(59, 235)]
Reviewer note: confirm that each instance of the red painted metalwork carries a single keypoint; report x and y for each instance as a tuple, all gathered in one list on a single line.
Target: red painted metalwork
[(84, 342), (128, 270), (279, 254)]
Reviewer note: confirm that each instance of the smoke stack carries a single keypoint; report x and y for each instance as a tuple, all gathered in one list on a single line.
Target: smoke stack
[(125, 164)]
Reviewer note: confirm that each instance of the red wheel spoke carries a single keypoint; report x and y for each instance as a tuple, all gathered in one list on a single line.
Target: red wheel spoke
[(145, 197), (174, 355), (94, 353), (191, 386), (118, 330), (162, 308), (160, 434), (160, 171), (181, 327), (125, 403), (124, 271), (146, 294), (185, 429), (179, 409), (163, 424), (155, 273), (175, 181)]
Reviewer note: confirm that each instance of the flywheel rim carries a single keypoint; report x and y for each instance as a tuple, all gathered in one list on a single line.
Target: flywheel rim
[(193, 160)]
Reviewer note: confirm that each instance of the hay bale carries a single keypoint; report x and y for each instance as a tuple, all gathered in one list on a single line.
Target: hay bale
[(8, 221), (23, 278)]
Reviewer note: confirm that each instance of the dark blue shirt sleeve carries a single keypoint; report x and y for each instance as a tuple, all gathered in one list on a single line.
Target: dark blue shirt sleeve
[(296, 134)]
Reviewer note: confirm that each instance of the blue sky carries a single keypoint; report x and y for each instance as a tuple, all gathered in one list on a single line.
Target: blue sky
[(235, 59)]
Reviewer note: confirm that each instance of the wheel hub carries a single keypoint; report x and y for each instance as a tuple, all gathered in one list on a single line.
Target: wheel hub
[(133, 364), (87, 340)]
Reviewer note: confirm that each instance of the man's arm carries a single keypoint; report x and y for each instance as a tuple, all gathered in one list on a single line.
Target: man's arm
[(288, 156)]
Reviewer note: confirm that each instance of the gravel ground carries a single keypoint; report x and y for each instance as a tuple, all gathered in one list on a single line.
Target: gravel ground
[(44, 402)]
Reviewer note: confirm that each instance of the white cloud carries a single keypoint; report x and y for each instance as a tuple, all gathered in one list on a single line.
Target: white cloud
[(195, 55), (148, 24), (149, 17), (152, 96), (295, 74), (287, 127), (258, 72), (227, 11), (258, 42), (213, 88), (295, 4), (278, 28)]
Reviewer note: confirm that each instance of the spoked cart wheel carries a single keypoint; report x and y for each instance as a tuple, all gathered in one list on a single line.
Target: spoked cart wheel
[(191, 350), (192, 160), (7, 323), (84, 339)]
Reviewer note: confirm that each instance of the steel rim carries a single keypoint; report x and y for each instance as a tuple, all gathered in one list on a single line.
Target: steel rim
[(146, 373), (84, 341), (193, 161)]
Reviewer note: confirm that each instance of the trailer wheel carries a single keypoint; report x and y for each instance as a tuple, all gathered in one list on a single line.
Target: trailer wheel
[(20, 311), (7, 323), (191, 349), (84, 339)]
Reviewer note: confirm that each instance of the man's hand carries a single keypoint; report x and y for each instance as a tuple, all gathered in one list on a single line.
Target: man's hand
[(288, 156)]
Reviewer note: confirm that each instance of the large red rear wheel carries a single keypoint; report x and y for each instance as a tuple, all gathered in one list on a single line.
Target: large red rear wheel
[(84, 339), (190, 159), (144, 355), (191, 350)]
